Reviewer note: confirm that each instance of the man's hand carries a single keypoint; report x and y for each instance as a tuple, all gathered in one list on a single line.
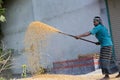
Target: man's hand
[(97, 43), (76, 37)]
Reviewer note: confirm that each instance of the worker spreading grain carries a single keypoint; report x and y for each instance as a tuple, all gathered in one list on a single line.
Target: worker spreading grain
[(107, 62)]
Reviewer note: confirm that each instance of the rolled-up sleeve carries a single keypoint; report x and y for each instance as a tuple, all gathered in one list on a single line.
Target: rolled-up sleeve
[(95, 30)]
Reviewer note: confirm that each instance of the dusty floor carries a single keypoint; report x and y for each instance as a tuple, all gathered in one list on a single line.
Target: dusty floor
[(91, 76)]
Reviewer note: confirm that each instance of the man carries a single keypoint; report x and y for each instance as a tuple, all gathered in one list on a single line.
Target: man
[(107, 62)]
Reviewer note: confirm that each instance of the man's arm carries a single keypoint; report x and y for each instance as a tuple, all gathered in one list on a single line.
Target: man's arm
[(83, 35)]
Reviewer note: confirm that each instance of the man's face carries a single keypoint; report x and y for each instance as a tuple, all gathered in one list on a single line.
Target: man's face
[(95, 23)]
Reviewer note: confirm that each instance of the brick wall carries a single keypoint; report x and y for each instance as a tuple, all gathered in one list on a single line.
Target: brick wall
[(76, 66)]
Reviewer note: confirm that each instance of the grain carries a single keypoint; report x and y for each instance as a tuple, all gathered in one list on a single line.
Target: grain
[(36, 38)]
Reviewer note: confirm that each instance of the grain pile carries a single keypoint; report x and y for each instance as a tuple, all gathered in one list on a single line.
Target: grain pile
[(36, 38), (91, 76)]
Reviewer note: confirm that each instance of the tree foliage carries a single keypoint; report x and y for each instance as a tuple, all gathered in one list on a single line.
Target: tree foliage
[(2, 11)]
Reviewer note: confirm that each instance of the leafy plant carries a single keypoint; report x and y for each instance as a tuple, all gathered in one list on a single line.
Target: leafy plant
[(1, 78), (2, 17), (24, 72), (41, 70), (2, 11), (5, 58)]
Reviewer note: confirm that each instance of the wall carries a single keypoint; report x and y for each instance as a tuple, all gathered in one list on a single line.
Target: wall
[(74, 67), (70, 16)]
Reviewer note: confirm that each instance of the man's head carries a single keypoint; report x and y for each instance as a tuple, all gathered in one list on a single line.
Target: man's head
[(97, 20)]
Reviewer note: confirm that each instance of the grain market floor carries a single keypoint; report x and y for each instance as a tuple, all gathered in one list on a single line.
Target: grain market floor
[(96, 75)]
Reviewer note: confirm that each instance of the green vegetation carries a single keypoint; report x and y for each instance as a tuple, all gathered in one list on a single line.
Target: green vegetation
[(2, 11), (41, 71), (24, 72), (1, 78), (5, 61)]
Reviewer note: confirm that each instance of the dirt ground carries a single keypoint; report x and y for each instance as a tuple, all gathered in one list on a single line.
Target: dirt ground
[(91, 76)]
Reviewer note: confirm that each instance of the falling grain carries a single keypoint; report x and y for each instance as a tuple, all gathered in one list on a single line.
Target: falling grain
[(36, 41)]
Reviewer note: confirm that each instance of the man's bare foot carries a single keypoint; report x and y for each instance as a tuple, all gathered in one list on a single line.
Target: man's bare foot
[(106, 77), (118, 76)]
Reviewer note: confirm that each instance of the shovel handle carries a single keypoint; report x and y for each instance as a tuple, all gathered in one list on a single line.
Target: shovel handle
[(80, 38)]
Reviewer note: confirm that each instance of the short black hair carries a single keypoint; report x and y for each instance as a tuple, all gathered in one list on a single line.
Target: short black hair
[(96, 17)]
